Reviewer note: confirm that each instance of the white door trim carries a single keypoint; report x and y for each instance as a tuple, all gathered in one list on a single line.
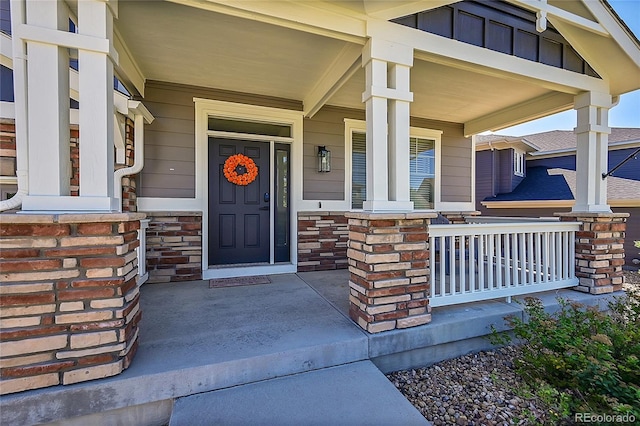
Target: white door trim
[(206, 108)]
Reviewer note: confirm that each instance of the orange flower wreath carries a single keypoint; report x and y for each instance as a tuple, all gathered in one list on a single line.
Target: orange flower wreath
[(231, 173)]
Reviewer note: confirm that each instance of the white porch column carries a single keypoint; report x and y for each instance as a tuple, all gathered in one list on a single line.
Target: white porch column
[(46, 34), (592, 133), (47, 103), (387, 98), (95, 81)]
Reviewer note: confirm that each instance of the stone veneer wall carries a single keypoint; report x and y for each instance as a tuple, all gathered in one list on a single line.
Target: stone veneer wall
[(389, 270), (69, 298), (174, 246), (322, 241), (599, 250)]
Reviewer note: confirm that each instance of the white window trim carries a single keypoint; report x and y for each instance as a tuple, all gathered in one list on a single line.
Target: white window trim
[(351, 125), (518, 162)]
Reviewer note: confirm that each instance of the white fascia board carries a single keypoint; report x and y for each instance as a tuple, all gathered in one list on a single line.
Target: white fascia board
[(314, 17), (337, 74), (528, 204), (620, 34), (562, 152), (518, 143), (542, 106), (127, 68), (541, 204), (391, 9), (438, 49)]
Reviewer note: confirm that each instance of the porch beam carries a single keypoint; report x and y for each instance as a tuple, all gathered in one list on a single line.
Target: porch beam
[(541, 106), (592, 134), (326, 20), (556, 13), (453, 53), (390, 9), (127, 69), (336, 75)]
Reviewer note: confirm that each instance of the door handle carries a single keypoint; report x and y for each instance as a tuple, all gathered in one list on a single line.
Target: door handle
[(264, 208)]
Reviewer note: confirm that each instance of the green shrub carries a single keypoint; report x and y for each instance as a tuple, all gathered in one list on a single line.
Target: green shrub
[(588, 359)]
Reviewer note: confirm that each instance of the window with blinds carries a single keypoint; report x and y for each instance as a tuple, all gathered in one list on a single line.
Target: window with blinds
[(422, 168), (359, 169)]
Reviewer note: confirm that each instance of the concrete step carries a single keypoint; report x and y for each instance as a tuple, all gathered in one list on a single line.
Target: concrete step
[(351, 394)]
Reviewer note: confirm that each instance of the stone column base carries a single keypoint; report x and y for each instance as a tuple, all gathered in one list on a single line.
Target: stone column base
[(389, 270), (70, 297), (599, 250)]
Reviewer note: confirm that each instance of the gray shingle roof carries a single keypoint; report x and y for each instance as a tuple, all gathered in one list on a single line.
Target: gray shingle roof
[(563, 139)]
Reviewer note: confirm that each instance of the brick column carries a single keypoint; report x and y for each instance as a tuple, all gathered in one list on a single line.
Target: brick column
[(389, 270), (599, 250), (70, 299)]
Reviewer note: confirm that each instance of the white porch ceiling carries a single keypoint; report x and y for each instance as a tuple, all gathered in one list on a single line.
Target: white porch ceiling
[(190, 45)]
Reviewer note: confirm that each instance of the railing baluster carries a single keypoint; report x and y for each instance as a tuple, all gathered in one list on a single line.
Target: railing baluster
[(452, 265), (490, 261), (472, 263), (481, 263), (559, 257), (545, 257), (539, 257), (432, 266), (507, 260), (499, 268), (523, 259), (572, 254), (462, 260), (443, 261), (530, 257)]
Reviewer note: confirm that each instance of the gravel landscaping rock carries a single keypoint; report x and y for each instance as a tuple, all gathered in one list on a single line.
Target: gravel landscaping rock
[(475, 389)]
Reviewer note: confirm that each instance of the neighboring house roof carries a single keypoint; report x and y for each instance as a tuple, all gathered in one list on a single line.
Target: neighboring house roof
[(555, 141), (559, 190)]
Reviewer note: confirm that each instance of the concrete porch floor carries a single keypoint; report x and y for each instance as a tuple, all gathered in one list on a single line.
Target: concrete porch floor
[(278, 345)]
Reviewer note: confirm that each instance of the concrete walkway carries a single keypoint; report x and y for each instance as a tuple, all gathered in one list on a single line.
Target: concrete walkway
[(211, 347)]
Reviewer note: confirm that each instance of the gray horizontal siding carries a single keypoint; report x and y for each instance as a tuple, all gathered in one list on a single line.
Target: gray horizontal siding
[(326, 128)]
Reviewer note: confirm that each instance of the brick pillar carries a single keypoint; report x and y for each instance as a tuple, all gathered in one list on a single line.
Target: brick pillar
[(599, 250), (70, 298), (389, 270)]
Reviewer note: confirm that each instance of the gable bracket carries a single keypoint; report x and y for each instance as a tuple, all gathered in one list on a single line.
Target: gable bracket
[(544, 10)]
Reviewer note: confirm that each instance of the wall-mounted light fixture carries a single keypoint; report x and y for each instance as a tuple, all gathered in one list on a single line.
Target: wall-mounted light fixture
[(324, 159)]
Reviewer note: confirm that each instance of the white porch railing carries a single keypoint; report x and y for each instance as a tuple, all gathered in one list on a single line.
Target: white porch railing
[(480, 261)]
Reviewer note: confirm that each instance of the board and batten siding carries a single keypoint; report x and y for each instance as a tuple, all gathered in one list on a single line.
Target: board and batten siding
[(169, 169)]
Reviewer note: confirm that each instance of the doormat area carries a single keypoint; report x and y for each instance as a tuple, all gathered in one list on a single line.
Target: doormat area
[(239, 281)]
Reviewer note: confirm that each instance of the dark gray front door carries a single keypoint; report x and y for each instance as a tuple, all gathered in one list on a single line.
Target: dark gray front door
[(238, 214)]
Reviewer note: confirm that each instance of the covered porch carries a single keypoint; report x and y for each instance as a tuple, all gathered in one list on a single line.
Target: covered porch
[(279, 81), (219, 342)]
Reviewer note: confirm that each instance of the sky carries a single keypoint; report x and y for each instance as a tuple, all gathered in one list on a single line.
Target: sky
[(625, 114)]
